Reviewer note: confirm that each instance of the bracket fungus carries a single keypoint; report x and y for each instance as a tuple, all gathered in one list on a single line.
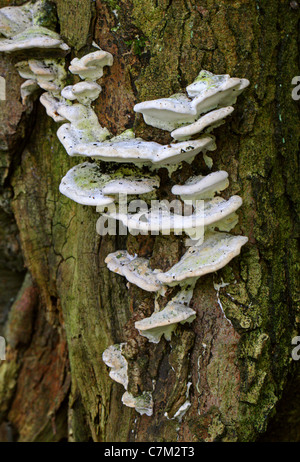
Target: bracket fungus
[(35, 37), (91, 65), (143, 403), (83, 183), (114, 359), (207, 92), (202, 187), (207, 122), (201, 107), (28, 90), (84, 126), (217, 250), (135, 269), (49, 74), (83, 92), (139, 151), (23, 28), (88, 185), (160, 219), (164, 322)]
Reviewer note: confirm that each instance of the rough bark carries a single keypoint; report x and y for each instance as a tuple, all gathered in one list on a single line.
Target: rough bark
[(54, 385)]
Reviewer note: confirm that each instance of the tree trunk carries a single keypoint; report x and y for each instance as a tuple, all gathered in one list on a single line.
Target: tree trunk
[(62, 307)]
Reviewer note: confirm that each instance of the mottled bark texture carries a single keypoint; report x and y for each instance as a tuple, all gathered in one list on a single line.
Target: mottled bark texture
[(54, 385)]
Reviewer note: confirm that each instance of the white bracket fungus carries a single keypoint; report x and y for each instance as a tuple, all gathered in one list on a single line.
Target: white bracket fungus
[(83, 184), (209, 121), (84, 92), (217, 250), (162, 220), (91, 65), (35, 37), (208, 92), (135, 269), (84, 126), (143, 403), (114, 359), (202, 187), (88, 185), (164, 322), (167, 113), (52, 104), (28, 90), (49, 74), (139, 151), (181, 114)]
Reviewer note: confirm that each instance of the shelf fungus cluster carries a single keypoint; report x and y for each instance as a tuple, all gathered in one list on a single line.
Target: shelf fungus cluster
[(29, 32)]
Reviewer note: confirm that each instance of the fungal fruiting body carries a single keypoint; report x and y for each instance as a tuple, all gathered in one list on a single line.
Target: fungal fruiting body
[(135, 269), (164, 322), (202, 187), (28, 29), (139, 151), (114, 359), (217, 250), (189, 116), (206, 93), (91, 65), (143, 403)]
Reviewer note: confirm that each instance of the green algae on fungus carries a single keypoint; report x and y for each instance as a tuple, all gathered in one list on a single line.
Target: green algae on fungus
[(88, 185)]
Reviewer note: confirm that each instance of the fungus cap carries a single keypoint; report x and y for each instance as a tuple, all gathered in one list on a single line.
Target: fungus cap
[(143, 403), (217, 250), (135, 269), (114, 359), (83, 184), (209, 121), (202, 187), (91, 65), (164, 322), (35, 37), (140, 151), (84, 92)]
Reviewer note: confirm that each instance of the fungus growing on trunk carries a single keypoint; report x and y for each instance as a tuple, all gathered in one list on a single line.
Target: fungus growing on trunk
[(164, 322), (139, 151), (135, 269), (202, 187), (88, 185), (84, 92), (217, 250), (207, 92), (207, 122), (143, 403), (114, 359), (91, 65)]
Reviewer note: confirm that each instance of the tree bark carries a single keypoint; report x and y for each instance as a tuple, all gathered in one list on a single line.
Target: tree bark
[(61, 307)]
